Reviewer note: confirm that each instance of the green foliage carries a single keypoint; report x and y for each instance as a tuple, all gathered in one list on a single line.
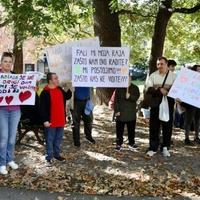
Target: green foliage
[(182, 41), (48, 18), (58, 21)]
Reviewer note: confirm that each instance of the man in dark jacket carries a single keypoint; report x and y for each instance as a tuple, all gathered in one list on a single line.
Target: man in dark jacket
[(52, 106), (125, 112)]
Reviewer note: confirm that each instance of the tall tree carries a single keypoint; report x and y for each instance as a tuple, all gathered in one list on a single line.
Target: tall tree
[(107, 28), (160, 28), (145, 13)]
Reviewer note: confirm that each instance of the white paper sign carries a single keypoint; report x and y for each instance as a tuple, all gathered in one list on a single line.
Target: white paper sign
[(17, 89), (100, 67), (39, 75), (187, 87), (59, 57)]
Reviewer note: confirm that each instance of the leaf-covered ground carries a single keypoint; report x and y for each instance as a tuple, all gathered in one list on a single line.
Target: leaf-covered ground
[(98, 169)]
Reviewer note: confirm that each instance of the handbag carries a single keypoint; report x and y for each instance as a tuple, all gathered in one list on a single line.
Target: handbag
[(153, 97), (164, 110)]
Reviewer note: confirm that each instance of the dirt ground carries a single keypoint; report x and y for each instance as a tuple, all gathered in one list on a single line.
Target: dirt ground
[(99, 169)]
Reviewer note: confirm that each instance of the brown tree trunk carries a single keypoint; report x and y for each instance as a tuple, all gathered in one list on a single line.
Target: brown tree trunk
[(160, 28), (107, 28), (18, 54)]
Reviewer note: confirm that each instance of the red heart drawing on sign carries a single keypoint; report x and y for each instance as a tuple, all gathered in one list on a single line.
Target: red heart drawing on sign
[(1, 99), (9, 99), (23, 96)]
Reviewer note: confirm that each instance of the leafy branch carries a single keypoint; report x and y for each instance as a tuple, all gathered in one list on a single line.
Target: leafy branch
[(194, 9)]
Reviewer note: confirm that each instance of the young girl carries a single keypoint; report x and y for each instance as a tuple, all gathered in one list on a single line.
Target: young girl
[(125, 112)]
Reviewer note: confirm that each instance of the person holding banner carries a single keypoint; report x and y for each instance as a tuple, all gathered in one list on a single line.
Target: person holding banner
[(82, 110), (192, 117), (52, 106), (9, 119), (158, 85), (125, 112)]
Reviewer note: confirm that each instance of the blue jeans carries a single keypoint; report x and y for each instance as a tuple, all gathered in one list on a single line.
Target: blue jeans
[(8, 129), (53, 137)]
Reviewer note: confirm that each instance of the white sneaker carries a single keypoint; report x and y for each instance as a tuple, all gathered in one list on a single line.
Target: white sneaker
[(165, 152), (150, 153), (3, 170), (13, 165)]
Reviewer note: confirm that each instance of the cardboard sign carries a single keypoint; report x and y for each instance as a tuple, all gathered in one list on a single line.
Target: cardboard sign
[(100, 67), (59, 57), (17, 89), (187, 87)]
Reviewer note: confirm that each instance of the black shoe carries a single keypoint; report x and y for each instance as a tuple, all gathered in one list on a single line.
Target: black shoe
[(77, 145), (188, 142), (197, 140), (91, 140), (118, 148), (49, 162), (60, 158)]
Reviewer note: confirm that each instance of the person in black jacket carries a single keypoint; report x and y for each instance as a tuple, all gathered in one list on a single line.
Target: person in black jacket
[(125, 105), (52, 106)]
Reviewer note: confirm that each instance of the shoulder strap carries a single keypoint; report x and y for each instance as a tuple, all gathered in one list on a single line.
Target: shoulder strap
[(165, 79)]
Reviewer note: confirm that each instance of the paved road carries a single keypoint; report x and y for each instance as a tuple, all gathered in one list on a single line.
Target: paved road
[(17, 194)]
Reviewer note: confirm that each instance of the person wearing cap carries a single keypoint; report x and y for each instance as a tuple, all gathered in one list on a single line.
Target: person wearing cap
[(125, 112), (82, 110)]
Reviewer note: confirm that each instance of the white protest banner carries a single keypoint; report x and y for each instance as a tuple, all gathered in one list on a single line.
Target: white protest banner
[(187, 87), (17, 89), (100, 67), (59, 57)]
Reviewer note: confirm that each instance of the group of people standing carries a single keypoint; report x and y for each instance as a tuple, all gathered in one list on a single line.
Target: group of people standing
[(52, 109), (52, 114), (158, 84)]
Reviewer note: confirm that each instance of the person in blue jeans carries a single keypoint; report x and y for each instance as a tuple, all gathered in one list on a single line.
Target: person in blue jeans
[(52, 107), (9, 119)]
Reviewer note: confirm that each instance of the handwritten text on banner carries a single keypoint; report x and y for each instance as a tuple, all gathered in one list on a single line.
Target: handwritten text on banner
[(187, 87), (17, 89), (100, 67)]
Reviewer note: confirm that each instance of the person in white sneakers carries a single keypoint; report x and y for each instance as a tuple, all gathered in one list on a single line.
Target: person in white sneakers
[(9, 119), (158, 85)]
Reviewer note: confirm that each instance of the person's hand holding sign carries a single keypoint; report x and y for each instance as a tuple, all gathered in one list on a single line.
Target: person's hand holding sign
[(178, 101), (47, 124), (164, 91)]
